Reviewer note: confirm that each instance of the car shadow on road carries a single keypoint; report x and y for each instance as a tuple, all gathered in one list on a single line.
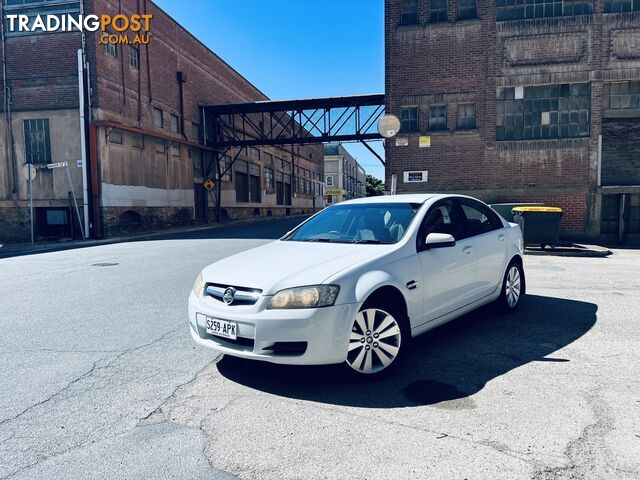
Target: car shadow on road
[(445, 367)]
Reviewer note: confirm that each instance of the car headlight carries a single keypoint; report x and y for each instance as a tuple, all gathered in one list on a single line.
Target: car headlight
[(313, 296), (198, 286)]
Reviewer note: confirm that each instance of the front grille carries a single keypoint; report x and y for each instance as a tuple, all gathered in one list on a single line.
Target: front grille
[(243, 295)]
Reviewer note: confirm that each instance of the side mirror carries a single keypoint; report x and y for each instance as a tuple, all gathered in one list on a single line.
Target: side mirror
[(439, 240)]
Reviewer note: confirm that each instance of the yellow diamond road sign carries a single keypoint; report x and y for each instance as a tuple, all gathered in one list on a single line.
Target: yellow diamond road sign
[(209, 184)]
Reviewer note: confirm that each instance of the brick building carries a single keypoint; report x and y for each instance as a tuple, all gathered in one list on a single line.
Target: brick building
[(533, 101), (146, 159)]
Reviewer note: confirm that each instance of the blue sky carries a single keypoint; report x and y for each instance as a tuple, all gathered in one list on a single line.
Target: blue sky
[(296, 49)]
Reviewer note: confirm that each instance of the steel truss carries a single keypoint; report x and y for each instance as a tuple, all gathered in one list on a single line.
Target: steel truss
[(287, 123), (294, 122)]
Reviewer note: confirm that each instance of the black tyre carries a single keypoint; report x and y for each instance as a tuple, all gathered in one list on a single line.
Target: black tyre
[(513, 287), (380, 336)]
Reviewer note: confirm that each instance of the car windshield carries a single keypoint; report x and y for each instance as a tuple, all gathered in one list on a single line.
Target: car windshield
[(373, 223)]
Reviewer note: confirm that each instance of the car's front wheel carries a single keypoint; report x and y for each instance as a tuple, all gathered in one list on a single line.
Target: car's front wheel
[(378, 339)]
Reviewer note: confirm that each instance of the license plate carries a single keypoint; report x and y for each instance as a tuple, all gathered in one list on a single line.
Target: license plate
[(222, 328)]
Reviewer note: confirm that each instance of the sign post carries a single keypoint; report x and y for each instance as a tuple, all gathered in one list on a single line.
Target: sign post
[(65, 165)]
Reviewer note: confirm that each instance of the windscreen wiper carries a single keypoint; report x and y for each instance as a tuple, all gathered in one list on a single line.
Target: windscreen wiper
[(321, 239)]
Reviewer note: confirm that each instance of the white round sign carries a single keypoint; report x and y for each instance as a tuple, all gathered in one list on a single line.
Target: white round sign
[(389, 126)]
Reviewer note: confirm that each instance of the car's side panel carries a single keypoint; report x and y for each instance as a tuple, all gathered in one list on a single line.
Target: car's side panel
[(455, 314)]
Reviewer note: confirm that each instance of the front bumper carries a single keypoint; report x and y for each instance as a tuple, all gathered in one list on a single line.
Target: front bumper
[(262, 332)]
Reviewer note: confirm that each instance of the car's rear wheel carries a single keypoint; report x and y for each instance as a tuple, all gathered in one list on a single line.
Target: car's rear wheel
[(513, 287), (378, 339)]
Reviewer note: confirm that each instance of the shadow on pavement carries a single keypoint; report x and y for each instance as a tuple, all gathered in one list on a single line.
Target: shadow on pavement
[(445, 367)]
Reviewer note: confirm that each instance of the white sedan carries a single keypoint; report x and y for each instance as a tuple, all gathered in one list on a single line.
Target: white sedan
[(357, 281)]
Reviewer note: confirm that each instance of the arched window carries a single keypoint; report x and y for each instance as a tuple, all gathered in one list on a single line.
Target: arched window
[(329, 181)]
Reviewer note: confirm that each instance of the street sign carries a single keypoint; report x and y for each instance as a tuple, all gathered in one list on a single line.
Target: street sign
[(51, 166), (416, 177), (208, 184)]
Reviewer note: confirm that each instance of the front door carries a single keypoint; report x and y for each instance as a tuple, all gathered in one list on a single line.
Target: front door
[(449, 273)]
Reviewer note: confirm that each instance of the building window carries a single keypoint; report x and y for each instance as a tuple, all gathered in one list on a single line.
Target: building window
[(225, 169), (195, 132), (409, 12), (242, 181), (37, 141), (138, 141), (175, 149), (255, 183), (467, 10), (614, 6), (525, 9), (438, 117), (158, 118), (330, 181), (134, 57), (409, 119), (115, 136), (466, 116), (624, 95), (438, 12), (112, 50), (161, 146), (542, 112), (268, 178), (174, 124)]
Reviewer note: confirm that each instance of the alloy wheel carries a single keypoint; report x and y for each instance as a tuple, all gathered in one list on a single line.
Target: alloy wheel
[(513, 286), (375, 341)]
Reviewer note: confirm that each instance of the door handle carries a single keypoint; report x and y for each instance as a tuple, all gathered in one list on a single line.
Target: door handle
[(467, 250), (502, 237)]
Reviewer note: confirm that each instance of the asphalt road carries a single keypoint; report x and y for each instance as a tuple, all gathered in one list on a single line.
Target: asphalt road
[(99, 379)]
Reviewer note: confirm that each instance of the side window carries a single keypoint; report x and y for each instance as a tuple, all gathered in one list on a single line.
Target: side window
[(444, 217), (479, 218)]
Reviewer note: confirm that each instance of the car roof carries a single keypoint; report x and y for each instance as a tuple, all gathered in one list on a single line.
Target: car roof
[(403, 198)]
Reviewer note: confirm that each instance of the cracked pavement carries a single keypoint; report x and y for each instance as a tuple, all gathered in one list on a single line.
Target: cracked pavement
[(99, 379)]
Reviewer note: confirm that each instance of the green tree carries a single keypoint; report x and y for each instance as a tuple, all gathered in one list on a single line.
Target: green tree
[(375, 187)]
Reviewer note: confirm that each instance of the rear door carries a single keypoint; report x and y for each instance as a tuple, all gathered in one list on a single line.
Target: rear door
[(490, 239), (448, 273)]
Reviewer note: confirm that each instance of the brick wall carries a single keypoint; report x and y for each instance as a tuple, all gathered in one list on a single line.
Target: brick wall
[(621, 151), (573, 206), (42, 71), (130, 94), (465, 61)]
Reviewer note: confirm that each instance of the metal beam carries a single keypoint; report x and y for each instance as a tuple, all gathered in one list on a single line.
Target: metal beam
[(374, 152)]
